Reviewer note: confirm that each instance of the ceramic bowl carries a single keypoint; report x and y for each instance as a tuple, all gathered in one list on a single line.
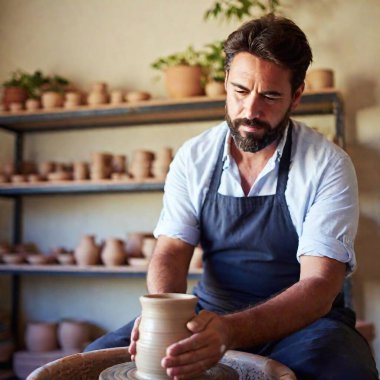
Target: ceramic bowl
[(66, 258), (13, 258), (37, 259)]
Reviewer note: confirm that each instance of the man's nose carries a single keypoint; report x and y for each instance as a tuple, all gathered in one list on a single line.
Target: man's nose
[(253, 106)]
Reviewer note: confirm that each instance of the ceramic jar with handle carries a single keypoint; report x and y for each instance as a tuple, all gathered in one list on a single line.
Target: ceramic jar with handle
[(113, 252), (87, 252)]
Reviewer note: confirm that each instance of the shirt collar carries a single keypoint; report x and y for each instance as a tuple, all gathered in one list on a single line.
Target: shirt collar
[(228, 141)]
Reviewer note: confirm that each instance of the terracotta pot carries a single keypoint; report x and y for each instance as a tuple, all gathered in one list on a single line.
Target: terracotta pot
[(73, 334), (41, 336), (319, 79), (81, 171), (87, 252), (163, 322), (96, 98), (113, 252), (32, 105), (116, 97), (51, 100), (13, 95), (16, 107), (183, 81), (214, 89), (134, 244), (148, 246), (137, 96)]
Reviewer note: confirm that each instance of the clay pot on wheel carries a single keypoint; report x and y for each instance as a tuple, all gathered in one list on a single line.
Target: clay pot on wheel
[(163, 322)]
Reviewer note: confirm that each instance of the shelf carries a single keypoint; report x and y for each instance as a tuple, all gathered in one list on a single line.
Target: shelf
[(85, 271), (79, 187), (148, 112)]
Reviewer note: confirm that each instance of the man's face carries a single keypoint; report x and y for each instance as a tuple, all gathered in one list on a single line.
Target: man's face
[(259, 101)]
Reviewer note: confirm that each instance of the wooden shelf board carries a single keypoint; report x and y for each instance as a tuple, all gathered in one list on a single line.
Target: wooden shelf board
[(148, 112), (80, 187), (91, 270)]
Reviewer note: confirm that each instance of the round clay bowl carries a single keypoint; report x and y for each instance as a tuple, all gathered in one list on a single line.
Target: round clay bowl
[(13, 258), (37, 259), (41, 336), (137, 96), (66, 258), (73, 334)]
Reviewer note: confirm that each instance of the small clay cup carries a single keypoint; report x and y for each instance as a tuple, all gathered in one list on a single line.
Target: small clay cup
[(41, 336), (73, 334)]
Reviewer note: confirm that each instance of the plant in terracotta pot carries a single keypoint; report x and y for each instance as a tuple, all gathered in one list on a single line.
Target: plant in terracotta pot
[(214, 58), (183, 72), (53, 92)]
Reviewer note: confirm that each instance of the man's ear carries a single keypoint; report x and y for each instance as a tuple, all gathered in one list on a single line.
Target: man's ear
[(297, 96)]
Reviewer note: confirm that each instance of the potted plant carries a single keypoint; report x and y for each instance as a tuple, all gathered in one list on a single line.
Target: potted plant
[(183, 72), (53, 92), (214, 58), (15, 89)]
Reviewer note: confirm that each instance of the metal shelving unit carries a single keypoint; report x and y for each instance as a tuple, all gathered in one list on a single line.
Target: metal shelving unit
[(194, 109)]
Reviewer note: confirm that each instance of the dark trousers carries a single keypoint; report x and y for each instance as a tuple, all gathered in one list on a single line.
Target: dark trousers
[(328, 349)]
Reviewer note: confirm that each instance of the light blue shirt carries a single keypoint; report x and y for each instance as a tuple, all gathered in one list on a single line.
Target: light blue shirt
[(321, 194)]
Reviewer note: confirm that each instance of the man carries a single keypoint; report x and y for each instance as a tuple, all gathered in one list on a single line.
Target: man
[(274, 206)]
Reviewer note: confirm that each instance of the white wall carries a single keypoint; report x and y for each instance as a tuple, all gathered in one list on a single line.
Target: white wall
[(115, 41)]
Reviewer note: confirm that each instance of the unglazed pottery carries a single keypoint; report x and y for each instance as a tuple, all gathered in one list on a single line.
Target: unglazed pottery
[(183, 81), (116, 97), (113, 252), (15, 107), (163, 322), (13, 95), (214, 89), (41, 336), (87, 252), (51, 100), (73, 334), (137, 96), (319, 79), (32, 104)]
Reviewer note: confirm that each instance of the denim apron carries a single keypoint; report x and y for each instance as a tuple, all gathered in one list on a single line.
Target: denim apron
[(249, 243)]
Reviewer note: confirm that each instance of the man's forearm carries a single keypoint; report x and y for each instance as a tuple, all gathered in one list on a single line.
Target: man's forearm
[(289, 311), (169, 265)]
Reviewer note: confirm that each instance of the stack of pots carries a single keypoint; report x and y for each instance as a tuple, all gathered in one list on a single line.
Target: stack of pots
[(162, 162), (98, 94), (101, 166), (141, 166)]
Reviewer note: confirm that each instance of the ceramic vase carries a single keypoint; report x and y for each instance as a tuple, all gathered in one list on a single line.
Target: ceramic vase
[(163, 322), (87, 252), (51, 100), (73, 334), (41, 336), (113, 252)]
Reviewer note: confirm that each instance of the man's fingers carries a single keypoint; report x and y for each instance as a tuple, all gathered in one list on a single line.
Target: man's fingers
[(200, 321)]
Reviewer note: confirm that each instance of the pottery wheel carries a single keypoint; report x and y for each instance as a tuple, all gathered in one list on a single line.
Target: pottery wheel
[(128, 371)]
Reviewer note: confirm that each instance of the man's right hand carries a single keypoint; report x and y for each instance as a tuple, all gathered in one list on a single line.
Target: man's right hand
[(134, 338)]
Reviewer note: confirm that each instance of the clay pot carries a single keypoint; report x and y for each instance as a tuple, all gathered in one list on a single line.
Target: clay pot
[(32, 105), (41, 336), (46, 167), (73, 334), (319, 79), (113, 253), (116, 97), (14, 95), (15, 107), (148, 246), (183, 81), (134, 244), (96, 98), (81, 171), (51, 100), (214, 89), (119, 163), (87, 252), (163, 322)]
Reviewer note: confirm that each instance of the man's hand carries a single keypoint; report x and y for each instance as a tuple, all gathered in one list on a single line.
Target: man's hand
[(134, 338), (203, 349)]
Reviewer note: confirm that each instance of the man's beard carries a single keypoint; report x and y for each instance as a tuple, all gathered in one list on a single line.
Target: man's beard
[(253, 141)]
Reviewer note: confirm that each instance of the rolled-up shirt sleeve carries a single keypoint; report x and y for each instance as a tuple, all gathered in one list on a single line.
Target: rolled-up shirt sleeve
[(331, 222), (178, 218)]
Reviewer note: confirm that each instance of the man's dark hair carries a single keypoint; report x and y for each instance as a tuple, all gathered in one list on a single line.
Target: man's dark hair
[(275, 39)]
